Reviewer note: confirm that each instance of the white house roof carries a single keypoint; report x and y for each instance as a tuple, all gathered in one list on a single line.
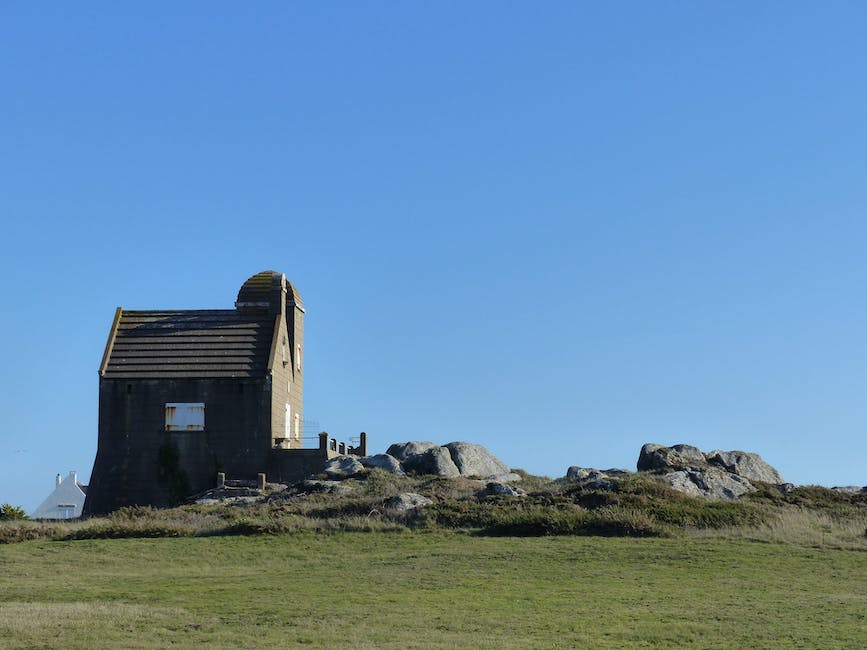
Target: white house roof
[(66, 502)]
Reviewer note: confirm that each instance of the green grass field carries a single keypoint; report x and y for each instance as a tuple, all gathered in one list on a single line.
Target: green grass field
[(430, 589)]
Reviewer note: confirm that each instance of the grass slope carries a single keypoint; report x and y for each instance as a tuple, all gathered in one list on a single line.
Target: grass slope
[(429, 589)]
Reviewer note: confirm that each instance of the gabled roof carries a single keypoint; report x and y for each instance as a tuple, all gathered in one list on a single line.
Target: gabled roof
[(65, 502), (189, 344)]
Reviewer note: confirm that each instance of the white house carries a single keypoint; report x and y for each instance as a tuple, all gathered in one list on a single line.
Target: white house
[(66, 502)]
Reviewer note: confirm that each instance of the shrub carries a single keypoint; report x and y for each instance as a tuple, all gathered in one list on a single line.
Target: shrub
[(380, 483), (510, 516), (10, 512), (24, 531), (110, 529)]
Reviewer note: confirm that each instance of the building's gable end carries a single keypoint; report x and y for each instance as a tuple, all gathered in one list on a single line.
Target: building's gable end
[(283, 408), (65, 502)]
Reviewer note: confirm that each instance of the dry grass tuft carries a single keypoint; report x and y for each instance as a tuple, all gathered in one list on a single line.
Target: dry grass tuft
[(802, 527)]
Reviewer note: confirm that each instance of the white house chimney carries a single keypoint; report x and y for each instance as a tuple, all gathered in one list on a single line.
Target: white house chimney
[(57, 481), (74, 477)]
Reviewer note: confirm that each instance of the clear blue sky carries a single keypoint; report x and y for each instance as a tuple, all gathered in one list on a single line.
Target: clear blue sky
[(557, 229)]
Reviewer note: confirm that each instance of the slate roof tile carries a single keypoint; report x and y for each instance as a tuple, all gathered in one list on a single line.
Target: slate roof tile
[(190, 344)]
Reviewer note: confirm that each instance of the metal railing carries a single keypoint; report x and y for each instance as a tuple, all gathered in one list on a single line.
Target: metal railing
[(357, 445)]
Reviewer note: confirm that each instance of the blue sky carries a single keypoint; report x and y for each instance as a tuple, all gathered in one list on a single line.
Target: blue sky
[(557, 229)]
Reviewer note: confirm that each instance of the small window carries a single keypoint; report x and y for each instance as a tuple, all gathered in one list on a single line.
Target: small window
[(185, 416), (66, 510), (288, 425), (298, 357), (297, 427)]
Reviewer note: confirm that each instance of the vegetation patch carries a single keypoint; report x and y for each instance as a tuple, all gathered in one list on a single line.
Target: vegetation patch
[(10, 512), (634, 505)]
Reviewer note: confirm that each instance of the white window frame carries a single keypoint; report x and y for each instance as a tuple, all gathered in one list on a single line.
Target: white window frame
[(185, 416)]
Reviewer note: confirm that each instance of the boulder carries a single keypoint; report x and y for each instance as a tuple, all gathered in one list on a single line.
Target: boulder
[(496, 489), (709, 483), (655, 456), (508, 477), (593, 479), (403, 450), (384, 462), (850, 489), (576, 473), (407, 502), (327, 487), (435, 460), (475, 460), (750, 466), (342, 467)]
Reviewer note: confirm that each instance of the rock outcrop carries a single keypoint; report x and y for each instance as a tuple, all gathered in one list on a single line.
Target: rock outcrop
[(328, 487), (850, 489), (454, 459), (741, 463), (407, 502), (577, 473), (497, 489), (421, 457), (716, 475), (594, 479)]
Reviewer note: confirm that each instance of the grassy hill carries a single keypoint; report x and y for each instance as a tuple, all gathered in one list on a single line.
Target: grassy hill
[(569, 565)]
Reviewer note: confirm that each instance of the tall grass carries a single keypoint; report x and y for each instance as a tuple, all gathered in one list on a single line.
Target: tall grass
[(801, 527)]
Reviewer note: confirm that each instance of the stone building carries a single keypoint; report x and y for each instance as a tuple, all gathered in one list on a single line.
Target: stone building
[(185, 395)]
